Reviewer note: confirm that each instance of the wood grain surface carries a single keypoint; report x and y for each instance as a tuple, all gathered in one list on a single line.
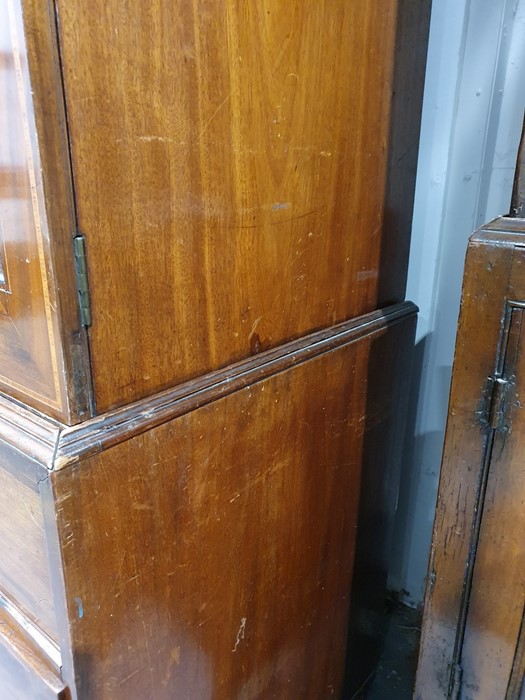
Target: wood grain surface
[(220, 545), (102, 432), (486, 276), (230, 164), (31, 364), (47, 100), (470, 646), (497, 601)]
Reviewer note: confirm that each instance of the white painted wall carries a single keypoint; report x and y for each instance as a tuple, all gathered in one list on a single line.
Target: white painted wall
[(472, 117)]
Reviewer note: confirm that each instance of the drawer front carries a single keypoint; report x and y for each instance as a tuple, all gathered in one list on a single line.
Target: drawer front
[(26, 673), (24, 568)]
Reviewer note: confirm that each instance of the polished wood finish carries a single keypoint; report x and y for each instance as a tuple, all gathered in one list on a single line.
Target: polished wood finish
[(471, 644), (196, 492), (51, 123), (44, 358), (231, 560), (114, 427), (31, 365), (24, 432), (241, 204), (300, 186), (170, 504)]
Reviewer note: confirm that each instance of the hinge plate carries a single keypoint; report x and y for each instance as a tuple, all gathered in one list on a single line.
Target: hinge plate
[(497, 404), (84, 295)]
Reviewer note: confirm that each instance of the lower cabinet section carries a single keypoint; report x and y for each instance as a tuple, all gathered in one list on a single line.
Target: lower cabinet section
[(229, 538)]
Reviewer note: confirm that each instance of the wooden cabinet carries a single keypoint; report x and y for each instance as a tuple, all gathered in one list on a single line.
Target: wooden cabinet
[(204, 221), (473, 641)]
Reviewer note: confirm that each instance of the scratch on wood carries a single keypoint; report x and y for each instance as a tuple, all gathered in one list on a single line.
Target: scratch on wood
[(209, 121), (278, 223), (133, 673), (254, 327), (240, 634)]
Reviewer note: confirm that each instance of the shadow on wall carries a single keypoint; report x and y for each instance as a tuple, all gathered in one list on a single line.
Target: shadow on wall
[(419, 478)]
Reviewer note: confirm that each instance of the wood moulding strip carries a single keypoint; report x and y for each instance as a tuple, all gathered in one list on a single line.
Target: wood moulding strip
[(55, 445), (100, 433), (504, 230), (28, 431)]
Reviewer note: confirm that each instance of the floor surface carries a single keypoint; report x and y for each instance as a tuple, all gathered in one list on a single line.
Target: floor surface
[(395, 676)]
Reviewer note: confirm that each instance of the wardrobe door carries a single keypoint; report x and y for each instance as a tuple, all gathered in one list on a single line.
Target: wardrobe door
[(31, 365)]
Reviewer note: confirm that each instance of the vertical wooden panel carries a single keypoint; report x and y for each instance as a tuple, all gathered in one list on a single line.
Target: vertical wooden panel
[(484, 289), (24, 569), (230, 163), (498, 594)]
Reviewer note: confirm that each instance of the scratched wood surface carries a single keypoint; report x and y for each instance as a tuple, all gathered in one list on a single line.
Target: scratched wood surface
[(220, 545), (486, 276), (230, 163), (471, 627), (498, 596)]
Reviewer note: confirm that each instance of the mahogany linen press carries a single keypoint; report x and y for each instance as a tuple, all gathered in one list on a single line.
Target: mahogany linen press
[(205, 211)]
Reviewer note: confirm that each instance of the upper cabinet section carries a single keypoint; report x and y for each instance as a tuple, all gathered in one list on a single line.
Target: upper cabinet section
[(31, 364), (243, 174), (231, 169)]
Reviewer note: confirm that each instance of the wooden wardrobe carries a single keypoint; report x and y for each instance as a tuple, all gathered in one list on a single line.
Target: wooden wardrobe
[(205, 211)]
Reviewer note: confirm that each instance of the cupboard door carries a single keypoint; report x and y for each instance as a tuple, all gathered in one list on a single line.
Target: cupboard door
[(492, 660), (473, 635), (31, 364), (230, 162)]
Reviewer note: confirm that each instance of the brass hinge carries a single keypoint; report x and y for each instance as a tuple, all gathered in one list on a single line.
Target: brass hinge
[(84, 295), (497, 403)]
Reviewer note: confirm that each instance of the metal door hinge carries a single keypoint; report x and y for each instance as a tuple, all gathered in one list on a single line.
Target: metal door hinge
[(84, 295), (497, 403)]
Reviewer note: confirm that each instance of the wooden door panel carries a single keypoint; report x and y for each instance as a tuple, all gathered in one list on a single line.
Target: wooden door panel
[(497, 599), (31, 365), (230, 163), (473, 635)]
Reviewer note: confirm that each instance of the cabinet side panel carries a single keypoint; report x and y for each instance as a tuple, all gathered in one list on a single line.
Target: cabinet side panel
[(485, 286), (24, 569), (220, 545), (230, 164)]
